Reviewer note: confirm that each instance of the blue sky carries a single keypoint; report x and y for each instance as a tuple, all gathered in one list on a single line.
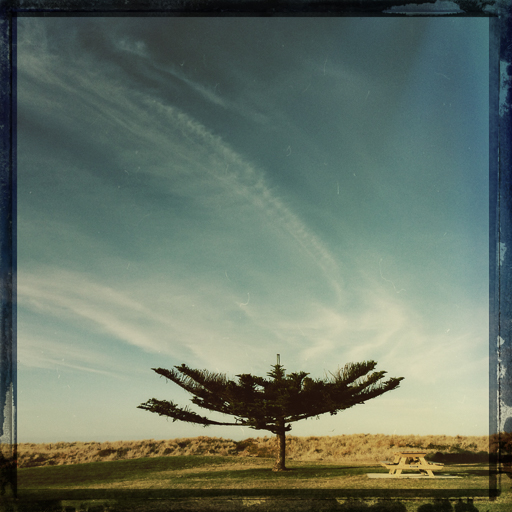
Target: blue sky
[(214, 191)]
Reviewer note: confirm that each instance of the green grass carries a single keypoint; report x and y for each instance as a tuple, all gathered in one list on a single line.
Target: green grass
[(98, 473), (302, 474), (217, 472), (203, 483)]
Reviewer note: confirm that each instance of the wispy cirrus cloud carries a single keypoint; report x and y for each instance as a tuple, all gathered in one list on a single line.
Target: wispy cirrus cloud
[(137, 315), (208, 167), (37, 351), (198, 322), (69, 295)]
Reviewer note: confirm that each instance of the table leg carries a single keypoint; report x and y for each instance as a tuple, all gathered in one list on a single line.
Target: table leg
[(426, 468), (401, 461), (396, 459)]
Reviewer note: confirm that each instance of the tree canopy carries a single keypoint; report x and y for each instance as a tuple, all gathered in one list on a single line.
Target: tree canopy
[(271, 403)]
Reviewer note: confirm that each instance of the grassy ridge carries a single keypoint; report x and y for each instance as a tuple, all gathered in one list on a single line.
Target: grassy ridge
[(360, 448)]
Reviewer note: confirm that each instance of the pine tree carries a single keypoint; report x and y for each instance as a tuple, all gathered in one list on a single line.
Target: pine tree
[(271, 404)]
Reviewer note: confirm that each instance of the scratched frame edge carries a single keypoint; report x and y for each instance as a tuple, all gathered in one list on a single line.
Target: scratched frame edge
[(7, 254), (500, 233), (499, 212)]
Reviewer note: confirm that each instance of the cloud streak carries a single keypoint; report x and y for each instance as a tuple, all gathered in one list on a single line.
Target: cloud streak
[(195, 151)]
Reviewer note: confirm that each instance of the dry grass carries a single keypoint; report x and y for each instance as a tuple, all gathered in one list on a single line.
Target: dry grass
[(360, 448)]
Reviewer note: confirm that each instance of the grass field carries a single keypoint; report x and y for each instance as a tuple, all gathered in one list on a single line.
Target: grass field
[(214, 474), (234, 483)]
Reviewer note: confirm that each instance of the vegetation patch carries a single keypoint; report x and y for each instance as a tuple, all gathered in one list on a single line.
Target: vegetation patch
[(309, 486), (462, 457), (99, 473), (231, 472), (343, 449)]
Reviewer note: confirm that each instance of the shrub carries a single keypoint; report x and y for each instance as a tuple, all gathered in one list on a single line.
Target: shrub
[(106, 452), (462, 457), (344, 448)]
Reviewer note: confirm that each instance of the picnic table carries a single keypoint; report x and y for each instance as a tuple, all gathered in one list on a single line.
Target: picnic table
[(411, 460)]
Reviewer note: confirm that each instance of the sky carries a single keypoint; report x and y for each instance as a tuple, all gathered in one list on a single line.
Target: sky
[(216, 191)]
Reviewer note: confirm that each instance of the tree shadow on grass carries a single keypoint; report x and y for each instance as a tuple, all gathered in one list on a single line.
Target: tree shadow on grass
[(397, 506), (379, 506), (386, 505), (245, 504), (267, 473), (321, 505), (473, 472), (446, 506)]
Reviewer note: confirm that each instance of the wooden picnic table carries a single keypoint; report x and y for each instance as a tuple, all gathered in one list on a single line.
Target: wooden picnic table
[(411, 460)]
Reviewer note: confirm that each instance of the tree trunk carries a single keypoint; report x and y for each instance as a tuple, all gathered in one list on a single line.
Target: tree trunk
[(281, 454)]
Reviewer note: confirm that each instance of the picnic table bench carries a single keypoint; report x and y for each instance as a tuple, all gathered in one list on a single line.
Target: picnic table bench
[(411, 460)]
